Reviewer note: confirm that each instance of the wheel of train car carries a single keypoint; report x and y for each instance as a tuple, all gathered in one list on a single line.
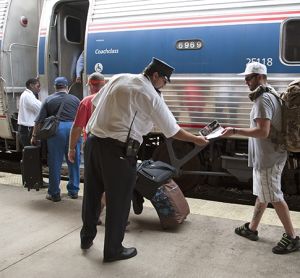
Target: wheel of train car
[(185, 182)]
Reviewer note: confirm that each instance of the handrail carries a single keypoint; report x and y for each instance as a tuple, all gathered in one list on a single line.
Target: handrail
[(4, 104), (10, 51), (178, 163)]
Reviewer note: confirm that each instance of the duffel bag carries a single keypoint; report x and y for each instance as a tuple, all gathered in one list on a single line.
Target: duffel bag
[(170, 205)]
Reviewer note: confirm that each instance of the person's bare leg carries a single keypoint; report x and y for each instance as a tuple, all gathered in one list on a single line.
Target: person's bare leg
[(283, 213), (103, 203), (259, 210)]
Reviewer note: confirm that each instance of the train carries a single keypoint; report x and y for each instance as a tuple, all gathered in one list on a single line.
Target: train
[(19, 26), (207, 42)]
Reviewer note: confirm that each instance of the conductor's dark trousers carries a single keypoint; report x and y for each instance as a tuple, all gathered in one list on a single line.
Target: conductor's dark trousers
[(106, 168)]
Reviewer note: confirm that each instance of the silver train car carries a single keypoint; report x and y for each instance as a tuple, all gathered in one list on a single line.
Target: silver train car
[(207, 41), (19, 25)]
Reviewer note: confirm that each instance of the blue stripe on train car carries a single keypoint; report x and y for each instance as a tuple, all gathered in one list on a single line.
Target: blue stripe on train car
[(41, 65), (130, 51)]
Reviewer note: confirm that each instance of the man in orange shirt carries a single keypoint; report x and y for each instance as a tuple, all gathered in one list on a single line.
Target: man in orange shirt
[(95, 82)]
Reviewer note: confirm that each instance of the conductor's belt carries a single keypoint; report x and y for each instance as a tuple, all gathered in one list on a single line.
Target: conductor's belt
[(110, 141)]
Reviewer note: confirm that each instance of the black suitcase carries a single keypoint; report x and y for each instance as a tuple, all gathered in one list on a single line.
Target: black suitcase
[(31, 167)]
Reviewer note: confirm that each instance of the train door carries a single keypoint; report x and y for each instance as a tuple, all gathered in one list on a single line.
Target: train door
[(66, 41)]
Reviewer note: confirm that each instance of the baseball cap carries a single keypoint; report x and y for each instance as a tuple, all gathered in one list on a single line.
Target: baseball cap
[(161, 67), (254, 67), (61, 81)]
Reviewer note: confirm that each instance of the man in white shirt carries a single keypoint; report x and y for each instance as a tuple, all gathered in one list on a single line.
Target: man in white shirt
[(127, 108), (29, 108)]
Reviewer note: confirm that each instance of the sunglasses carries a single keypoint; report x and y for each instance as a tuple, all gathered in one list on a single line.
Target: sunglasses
[(250, 77), (96, 82)]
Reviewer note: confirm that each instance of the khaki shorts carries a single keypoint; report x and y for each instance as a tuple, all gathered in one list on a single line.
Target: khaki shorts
[(267, 183)]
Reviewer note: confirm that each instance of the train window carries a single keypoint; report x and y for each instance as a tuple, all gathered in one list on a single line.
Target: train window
[(290, 50), (73, 29), (194, 44)]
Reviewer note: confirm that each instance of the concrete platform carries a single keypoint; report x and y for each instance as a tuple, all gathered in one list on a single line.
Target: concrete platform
[(40, 238)]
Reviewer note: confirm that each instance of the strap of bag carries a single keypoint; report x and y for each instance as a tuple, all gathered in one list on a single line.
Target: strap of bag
[(60, 108), (143, 164), (129, 131), (275, 135)]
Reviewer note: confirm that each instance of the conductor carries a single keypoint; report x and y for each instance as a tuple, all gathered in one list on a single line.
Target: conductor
[(126, 109)]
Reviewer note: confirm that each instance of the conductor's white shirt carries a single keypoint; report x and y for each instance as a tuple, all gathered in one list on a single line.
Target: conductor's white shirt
[(119, 100)]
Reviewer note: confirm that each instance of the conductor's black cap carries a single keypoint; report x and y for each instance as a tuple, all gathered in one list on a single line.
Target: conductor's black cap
[(161, 67)]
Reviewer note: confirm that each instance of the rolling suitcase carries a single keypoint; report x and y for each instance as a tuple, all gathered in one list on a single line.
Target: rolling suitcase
[(170, 205), (31, 168)]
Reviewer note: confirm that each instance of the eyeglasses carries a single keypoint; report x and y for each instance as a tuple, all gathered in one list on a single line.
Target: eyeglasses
[(96, 82), (250, 77)]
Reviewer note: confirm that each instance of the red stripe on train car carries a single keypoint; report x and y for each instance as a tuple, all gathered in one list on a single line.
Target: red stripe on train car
[(179, 22), (196, 18)]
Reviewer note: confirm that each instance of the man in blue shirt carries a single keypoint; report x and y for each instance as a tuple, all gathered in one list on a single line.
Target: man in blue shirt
[(59, 143)]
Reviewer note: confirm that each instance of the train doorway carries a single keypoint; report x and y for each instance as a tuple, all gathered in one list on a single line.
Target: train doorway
[(66, 41)]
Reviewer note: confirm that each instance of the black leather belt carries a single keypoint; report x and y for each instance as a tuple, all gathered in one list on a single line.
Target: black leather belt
[(110, 140), (114, 141), (131, 148)]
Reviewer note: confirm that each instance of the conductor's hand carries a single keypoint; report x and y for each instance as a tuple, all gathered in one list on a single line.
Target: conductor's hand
[(228, 131), (201, 140), (71, 155)]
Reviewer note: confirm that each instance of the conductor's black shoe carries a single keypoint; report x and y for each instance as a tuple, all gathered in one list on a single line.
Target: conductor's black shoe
[(86, 245), (125, 254), (54, 198)]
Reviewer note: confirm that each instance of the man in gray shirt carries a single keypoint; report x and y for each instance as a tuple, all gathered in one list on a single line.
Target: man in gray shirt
[(265, 157)]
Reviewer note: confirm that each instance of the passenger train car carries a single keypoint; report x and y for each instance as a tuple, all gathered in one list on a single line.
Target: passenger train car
[(207, 41), (19, 25)]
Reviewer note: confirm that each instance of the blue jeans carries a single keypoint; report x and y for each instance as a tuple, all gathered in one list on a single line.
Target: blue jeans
[(58, 146)]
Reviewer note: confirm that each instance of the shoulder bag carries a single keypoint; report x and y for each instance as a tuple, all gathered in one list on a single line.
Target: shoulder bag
[(50, 124), (151, 175)]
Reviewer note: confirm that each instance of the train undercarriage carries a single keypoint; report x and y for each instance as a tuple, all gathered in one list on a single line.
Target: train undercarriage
[(223, 162)]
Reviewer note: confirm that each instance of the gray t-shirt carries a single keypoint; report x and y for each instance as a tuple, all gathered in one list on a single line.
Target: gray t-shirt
[(262, 152)]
